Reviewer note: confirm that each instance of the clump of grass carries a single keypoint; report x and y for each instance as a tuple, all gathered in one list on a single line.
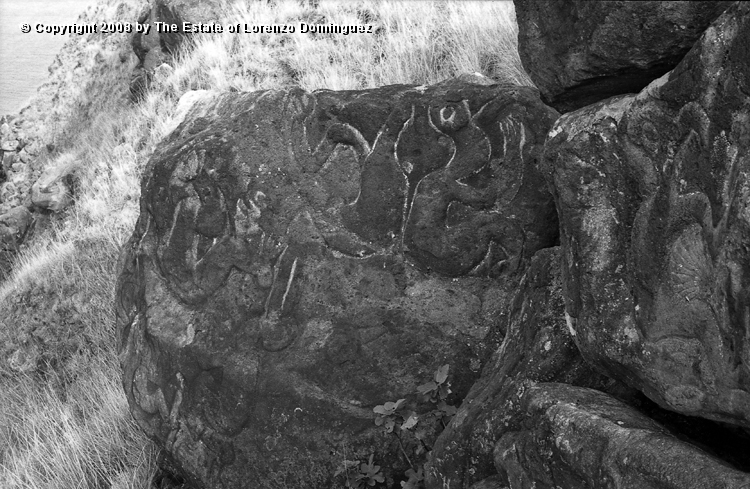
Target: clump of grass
[(64, 422), (413, 42), (74, 433)]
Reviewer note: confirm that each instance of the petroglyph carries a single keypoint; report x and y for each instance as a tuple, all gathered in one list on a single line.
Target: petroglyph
[(277, 246)]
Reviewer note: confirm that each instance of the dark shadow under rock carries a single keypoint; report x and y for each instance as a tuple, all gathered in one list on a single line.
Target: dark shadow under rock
[(580, 52)]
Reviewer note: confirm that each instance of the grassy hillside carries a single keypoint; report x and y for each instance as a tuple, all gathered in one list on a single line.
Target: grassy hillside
[(64, 421)]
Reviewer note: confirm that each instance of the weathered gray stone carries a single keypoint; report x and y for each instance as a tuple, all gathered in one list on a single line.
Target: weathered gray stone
[(14, 225), (493, 482), (52, 190), (303, 257), (581, 438), (10, 145), (538, 347), (653, 193), (579, 52)]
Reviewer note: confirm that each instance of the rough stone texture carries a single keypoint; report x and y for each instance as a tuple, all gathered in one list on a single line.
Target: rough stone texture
[(538, 347), (52, 191), (155, 48), (654, 202), (494, 482), (13, 227), (301, 258), (579, 52), (581, 438)]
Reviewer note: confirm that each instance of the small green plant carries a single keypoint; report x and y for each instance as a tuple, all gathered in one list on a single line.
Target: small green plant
[(437, 391), (417, 432), (415, 479), (360, 475), (390, 415)]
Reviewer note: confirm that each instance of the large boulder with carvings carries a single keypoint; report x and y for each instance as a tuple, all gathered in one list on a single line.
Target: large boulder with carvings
[(574, 437), (580, 52), (653, 194), (301, 258), (538, 347)]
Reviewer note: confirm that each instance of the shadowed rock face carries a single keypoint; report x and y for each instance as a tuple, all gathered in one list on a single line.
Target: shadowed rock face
[(538, 347), (583, 438), (580, 52), (302, 257), (653, 197)]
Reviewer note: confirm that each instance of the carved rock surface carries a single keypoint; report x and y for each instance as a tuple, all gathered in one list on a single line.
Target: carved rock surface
[(653, 193), (538, 347), (574, 437), (303, 257), (579, 52)]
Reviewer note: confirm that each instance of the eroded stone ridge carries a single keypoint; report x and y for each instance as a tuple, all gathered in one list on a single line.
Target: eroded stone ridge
[(653, 197), (583, 438), (302, 257)]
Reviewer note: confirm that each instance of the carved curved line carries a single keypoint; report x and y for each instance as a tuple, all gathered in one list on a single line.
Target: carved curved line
[(167, 237), (276, 267), (364, 149), (409, 122), (308, 117), (455, 151), (479, 112), (227, 231), (485, 261), (512, 125), (409, 194), (289, 283), (522, 168), (730, 190), (374, 146)]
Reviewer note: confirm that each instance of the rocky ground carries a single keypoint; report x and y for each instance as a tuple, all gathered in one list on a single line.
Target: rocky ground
[(38, 145)]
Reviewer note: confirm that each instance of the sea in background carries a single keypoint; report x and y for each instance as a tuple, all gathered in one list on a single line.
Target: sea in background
[(24, 58)]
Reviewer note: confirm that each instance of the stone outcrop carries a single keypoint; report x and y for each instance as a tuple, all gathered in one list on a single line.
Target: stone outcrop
[(538, 347), (653, 197), (52, 191), (579, 52), (574, 437), (303, 257)]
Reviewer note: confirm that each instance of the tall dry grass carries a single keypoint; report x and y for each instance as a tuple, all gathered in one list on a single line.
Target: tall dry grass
[(64, 421)]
